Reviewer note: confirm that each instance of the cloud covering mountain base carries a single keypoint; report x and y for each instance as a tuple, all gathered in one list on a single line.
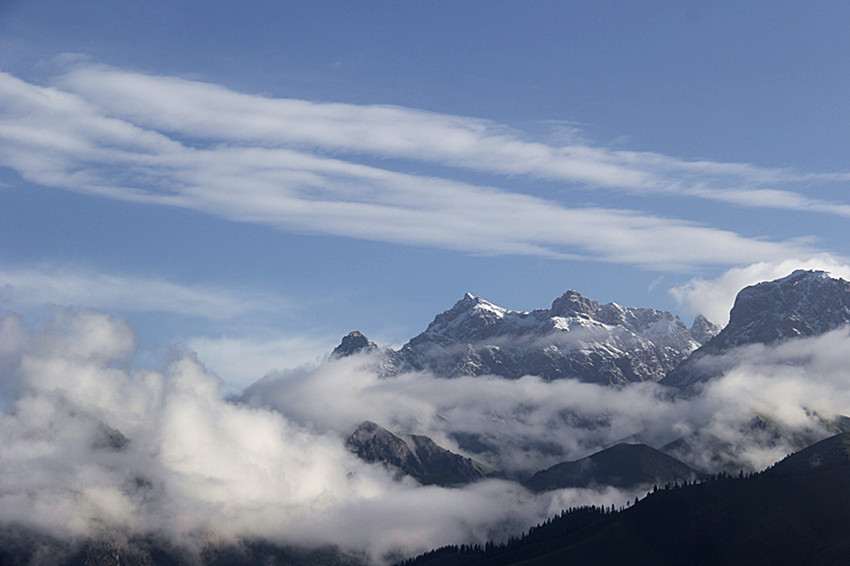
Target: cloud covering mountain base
[(89, 442)]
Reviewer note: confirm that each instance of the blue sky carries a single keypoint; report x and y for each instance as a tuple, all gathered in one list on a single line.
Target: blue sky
[(253, 181)]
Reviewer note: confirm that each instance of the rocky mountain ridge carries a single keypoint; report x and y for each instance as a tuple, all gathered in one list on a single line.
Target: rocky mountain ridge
[(575, 338), (803, 304), (579, 338)]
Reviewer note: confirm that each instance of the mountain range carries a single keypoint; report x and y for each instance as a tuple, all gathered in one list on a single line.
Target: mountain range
[(578, 338), (623, 465), (575, 338), (605, 344)]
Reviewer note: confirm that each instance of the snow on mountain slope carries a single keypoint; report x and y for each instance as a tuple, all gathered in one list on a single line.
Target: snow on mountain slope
[(576, 338)]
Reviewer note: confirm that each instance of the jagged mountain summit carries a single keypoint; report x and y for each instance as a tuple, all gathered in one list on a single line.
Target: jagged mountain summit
[(703, 329), (415, 455), (610, 344), (575, 338), (805, 303), (353, 343)]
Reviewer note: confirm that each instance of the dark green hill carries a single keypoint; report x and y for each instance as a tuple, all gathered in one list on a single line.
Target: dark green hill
[(622, 465), (829, 454), (797, 513)]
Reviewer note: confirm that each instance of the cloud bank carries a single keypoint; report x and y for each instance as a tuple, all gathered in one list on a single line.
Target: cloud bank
[(89, 442), (244, 344), (92, 444), (524, 425), (310, 167)]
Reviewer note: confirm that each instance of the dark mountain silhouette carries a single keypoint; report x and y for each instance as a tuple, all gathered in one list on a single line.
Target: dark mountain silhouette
[(794, 513), (829, 454), (353, 343), (623, 465)]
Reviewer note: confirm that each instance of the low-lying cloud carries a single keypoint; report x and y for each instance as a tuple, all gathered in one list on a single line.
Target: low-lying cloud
[(524, 425), (90, 442)]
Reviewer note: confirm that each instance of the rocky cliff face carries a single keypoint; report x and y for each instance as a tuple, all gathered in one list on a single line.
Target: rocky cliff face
[(704, 330), (805, 303)]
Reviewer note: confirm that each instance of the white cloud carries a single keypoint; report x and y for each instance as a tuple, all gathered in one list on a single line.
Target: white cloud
[(714, 298), (242, 360), (527, 424), (255, 159), (210, 111), (37, 286), (199, 466)]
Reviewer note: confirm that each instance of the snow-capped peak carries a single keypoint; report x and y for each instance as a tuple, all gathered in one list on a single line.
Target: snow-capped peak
[(577, 337)]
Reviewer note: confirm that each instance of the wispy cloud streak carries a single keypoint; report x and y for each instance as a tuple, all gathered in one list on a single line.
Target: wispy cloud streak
[(37, 286), (211, 111), (299, 165)]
